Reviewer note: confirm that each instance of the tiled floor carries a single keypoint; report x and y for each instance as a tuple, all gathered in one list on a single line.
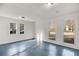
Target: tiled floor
[(29, 48)]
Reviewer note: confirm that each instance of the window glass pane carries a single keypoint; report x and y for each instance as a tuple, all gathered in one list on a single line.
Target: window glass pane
[(69, 31), (12, 28), (21, 28), (52, 31)]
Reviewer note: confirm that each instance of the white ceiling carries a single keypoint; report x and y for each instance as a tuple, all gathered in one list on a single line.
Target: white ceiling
[(34, 11)]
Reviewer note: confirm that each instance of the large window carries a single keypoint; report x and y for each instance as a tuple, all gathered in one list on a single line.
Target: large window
[(52, 31), (69, 31)]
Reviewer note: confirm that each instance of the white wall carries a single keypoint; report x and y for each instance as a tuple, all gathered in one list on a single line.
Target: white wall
[(5, 37), (71, 12), (60, 30)]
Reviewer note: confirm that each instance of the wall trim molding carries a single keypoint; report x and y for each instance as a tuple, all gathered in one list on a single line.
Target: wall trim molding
[(17, 41)]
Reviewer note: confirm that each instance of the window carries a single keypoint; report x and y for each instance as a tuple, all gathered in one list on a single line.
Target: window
[(12, 28), (52, 31), (21, 28), (69, 31)]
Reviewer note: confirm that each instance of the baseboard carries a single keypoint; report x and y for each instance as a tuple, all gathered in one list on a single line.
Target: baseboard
[(17, 41), (61, 45)]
